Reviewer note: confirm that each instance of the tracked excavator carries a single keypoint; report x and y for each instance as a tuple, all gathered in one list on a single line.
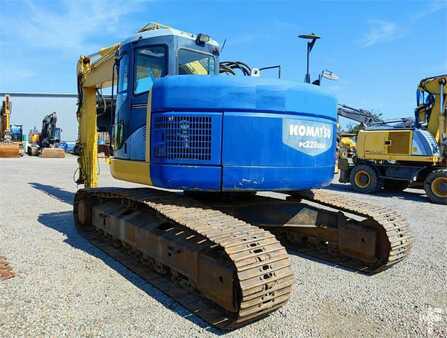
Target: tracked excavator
[(9, 142), (210, 242), (46, 144)]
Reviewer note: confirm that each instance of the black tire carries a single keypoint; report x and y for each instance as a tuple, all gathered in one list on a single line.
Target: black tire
[(435, 185), (365, 179), (395, 185)]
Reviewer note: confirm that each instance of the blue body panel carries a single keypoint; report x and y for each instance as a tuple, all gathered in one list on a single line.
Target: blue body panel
[(264, 161), (136, 144), (222, 133), (225, 93), (186, 177)]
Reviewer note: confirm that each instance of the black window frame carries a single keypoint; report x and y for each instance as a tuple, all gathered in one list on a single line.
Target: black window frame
[(198, 52), (134, 73)]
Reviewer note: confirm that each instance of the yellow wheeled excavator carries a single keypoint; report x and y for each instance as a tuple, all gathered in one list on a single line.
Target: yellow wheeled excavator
[(213, 244), (396, 157)]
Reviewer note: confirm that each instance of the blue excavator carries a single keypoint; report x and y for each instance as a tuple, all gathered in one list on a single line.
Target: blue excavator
[(207, 146)]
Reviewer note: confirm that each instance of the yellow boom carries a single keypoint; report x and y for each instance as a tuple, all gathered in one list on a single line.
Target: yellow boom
[(5, 116), (436, 116), (92, 74)]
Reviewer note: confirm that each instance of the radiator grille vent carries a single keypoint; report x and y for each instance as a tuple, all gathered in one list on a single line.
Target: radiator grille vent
[(183, 137)]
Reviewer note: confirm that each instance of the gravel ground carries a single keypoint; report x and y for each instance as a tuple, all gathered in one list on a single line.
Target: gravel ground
[(65, 286)]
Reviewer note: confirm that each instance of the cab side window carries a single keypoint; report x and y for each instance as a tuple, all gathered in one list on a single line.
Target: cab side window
[(123, 73), (123, 79), (150, 64), (192, 62)]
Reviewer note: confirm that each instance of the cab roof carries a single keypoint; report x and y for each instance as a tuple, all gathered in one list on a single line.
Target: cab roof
[(432, 84), (155, 29)]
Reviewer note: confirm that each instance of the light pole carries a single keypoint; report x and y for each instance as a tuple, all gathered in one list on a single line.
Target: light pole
[(312, 38)]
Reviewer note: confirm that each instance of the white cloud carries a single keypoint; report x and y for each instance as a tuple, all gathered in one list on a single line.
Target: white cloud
[(380, 31), (431, 7), (71, 28)]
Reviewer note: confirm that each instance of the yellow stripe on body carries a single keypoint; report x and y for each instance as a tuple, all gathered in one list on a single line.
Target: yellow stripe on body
[(131, 171), (136, 171)]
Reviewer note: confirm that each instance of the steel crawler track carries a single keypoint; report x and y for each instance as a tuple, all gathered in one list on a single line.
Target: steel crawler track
[(392, 222), (260, 268), (221, 258), (333, 228)]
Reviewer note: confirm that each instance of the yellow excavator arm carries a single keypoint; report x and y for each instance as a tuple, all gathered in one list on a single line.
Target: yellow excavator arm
[(95, 71), (5, 116), (435, 115)]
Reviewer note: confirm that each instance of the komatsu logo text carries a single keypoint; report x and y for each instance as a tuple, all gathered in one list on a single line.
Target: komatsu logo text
[(310, 137), (302, 130)]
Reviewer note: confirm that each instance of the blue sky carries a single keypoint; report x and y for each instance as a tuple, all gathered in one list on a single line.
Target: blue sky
[(380, 49)]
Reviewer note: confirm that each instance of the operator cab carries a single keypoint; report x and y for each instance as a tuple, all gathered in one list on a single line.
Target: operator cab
[(424, 105), (154, 52)]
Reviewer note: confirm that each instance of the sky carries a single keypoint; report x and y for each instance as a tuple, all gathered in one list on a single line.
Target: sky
[(379, 49)]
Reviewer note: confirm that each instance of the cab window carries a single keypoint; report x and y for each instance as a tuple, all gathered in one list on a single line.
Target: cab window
[(150, 64), (123, 73), (192, 62)]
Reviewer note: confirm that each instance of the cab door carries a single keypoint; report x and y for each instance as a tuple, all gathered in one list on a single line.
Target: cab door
[(122, 105), (150, 62)]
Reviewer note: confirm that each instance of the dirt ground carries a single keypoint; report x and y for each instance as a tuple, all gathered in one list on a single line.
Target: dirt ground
[(65, 286)]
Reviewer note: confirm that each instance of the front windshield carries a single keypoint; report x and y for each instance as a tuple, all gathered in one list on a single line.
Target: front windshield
[(192, 62)]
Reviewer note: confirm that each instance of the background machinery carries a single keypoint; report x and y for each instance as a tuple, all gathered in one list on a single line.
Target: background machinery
[(10, 135), (347, 140), (413, 154), (366, 120), (362, 116), (46, 143), (217, 140)]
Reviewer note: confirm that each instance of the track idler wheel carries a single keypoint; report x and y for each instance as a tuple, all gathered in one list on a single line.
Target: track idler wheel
[(83, 213)]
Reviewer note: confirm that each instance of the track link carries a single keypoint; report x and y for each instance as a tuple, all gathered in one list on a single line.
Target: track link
[(197, 234), (325, 226), (396, 239)]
